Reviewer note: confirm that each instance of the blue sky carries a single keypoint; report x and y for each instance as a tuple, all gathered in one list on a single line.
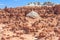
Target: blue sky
[(16, 3)]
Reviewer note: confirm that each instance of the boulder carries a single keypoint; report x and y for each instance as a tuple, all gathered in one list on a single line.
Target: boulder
[(33, 14)]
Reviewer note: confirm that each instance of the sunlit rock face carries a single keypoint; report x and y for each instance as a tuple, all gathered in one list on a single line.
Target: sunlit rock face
[(33, 4), (49, 4), (33, 14)]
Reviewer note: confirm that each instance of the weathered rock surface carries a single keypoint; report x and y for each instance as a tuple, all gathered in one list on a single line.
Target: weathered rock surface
[(33, 14), (18, 24)]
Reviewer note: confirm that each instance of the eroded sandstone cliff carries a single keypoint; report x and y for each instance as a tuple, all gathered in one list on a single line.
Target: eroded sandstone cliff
[(15, 25)]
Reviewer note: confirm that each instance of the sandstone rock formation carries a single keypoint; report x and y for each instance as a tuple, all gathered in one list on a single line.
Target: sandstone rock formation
[(16, 25)]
